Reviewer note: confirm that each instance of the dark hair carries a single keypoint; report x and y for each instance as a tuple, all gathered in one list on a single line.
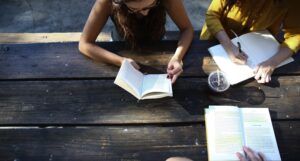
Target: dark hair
[(136, 30)]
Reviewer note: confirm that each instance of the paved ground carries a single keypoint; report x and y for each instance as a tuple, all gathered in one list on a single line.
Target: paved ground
[(69, 15)]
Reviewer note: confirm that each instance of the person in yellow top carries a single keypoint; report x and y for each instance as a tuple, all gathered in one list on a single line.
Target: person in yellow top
[(244, 16)]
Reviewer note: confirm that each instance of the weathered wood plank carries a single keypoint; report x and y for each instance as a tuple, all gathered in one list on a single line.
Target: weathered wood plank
[(125, 143), (15, 38), (103, 143), (102, 102), (288, 140), (63, 60)]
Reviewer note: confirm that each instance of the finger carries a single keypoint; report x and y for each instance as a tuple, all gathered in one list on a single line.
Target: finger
[(256, 69), (245, 55), (242, 56), (240, 156), (261, 80), (173, 80), (170, 76), (135, 65), (262, 156), (170, 66), (176, 70), (258, 74), (169, 69), (237, 60), (250, 153), (240, 61), (263, 77), (176, 76), (268, 78)]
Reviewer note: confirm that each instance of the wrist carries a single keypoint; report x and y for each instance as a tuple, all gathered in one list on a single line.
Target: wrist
[(229, 47), (177, 60), (120, 61), (273, 63)]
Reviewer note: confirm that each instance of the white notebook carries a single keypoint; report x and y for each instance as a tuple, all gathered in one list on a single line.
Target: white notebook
[(229, 128), (150, 86), (259, 46)]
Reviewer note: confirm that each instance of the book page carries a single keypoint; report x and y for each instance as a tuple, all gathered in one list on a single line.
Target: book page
[(131, 77), (259, 133), (266, 46), (260, 46), (224, 132), (156, 84)]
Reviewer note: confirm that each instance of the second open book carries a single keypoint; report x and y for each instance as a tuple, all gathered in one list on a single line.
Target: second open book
[(229, 128), (259, 46), (150, 86)]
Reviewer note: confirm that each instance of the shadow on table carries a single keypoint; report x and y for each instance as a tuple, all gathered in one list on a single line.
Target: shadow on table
[(195, 99)]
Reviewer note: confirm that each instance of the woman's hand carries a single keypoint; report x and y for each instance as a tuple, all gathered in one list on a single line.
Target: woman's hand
[(264, 71), (133, 63), (174, 69), (236, 56), (252, 155)]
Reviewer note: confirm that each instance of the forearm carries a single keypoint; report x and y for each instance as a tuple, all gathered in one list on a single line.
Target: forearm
[(183, 43), (99, 54), (282, 54), (224, 39)]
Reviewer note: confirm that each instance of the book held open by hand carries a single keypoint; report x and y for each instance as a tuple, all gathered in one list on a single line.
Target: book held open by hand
[(150, 86), (229, 128), (259, 46)]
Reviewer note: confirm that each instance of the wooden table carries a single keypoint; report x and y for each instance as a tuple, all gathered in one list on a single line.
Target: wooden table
[(56, 104)]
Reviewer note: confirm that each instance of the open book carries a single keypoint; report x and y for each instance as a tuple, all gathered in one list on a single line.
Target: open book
[(259, 46), (150, 86), (228, 128)]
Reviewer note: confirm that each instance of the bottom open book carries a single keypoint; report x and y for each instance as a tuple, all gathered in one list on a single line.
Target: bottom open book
[(229, 128)]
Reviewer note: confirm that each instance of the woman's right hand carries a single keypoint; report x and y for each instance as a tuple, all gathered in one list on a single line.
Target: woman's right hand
[(236, 56), (233, 51)]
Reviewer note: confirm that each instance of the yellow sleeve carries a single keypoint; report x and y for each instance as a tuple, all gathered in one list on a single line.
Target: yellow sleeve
[(292, 39), (291, 27), (213, 16)]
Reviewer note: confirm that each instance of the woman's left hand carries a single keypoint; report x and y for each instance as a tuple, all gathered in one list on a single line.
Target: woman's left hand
[(174, 69), (264, 71)]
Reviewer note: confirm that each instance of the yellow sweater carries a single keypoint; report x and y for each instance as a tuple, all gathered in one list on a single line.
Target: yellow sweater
[(272, 17)]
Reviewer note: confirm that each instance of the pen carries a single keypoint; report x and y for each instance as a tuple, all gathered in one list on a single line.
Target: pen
[(238, 43), (240, 47)]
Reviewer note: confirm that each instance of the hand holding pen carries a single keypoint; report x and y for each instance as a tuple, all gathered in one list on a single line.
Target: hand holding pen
[(235, 52)]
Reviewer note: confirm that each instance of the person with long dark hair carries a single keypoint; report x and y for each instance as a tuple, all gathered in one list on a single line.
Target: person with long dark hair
[(244, 16), (136, 21)]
